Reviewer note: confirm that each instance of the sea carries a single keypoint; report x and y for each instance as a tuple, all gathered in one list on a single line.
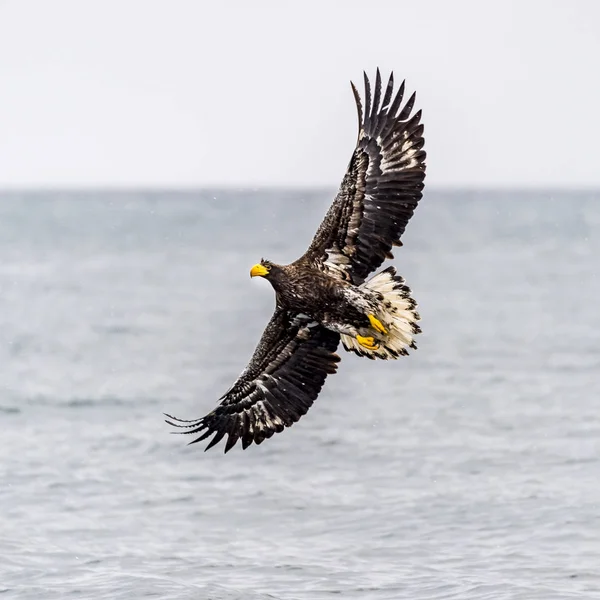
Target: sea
[(467, 470)]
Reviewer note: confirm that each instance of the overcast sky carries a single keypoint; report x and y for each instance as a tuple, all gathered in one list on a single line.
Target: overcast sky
[(191, 93)]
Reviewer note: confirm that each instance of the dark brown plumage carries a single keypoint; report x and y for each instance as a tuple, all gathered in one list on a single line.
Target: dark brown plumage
[(324, 295)]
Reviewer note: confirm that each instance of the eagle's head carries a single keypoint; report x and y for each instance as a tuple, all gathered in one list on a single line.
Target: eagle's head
[(266, 269)]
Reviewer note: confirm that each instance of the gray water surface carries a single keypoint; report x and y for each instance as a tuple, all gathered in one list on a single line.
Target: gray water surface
[(470, 469)]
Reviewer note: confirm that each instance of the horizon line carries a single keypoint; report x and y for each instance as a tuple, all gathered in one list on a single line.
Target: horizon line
[(179, 188)]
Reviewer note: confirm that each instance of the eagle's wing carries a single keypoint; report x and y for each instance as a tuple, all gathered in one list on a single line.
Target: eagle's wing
[(380, 190), (279, 385)]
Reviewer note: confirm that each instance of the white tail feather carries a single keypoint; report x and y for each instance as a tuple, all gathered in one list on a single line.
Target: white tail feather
[(397, 312)]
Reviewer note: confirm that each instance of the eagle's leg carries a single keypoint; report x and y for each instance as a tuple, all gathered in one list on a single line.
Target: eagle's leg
[(367, 342), (376, 324)]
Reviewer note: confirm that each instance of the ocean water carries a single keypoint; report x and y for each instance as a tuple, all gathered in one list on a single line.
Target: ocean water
[(470, 469)]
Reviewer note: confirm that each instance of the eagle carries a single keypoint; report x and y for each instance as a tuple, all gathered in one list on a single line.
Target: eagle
[(325, 296)]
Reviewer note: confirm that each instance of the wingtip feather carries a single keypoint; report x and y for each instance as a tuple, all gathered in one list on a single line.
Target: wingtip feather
[(358, 106)]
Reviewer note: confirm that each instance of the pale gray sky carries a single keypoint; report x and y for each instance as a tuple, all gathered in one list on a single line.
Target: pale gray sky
[(186, 93)]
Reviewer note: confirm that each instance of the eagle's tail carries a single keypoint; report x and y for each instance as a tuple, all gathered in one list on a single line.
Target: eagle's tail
[(397, 313)]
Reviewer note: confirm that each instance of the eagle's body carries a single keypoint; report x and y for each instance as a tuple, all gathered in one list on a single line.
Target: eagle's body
[(325, 296)]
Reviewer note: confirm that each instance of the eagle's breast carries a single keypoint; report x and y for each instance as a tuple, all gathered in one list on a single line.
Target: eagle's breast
[(308, 290)]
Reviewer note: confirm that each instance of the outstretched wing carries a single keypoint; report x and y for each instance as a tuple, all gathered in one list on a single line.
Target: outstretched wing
[(381, 188), (279, 385)]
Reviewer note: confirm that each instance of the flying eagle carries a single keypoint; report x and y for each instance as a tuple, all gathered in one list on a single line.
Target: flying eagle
[(325, 295)]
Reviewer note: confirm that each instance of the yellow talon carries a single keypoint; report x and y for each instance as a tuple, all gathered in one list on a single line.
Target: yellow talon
[(376, 324), (367, 342)]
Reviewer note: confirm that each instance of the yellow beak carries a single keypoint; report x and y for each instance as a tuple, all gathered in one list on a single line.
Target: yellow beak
[(258, 271)]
